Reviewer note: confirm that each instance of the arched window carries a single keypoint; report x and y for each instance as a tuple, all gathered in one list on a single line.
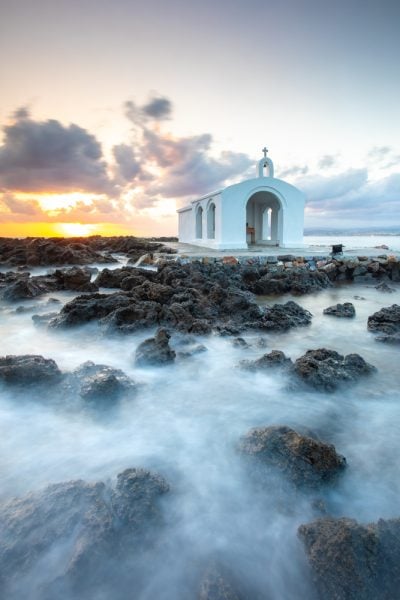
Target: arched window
[(211, 221), (199, 223)]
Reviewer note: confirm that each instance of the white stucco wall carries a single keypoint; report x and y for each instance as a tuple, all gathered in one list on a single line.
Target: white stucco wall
[(187, 222), (230, 215)]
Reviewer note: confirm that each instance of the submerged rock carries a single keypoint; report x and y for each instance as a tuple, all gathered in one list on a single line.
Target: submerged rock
[(86, 524), (386, 320), (351, 561), (273, 359), (384, 287), (345, 310), (155, 351), (326, 369), (217, 584), (304, 460), (28, 369)]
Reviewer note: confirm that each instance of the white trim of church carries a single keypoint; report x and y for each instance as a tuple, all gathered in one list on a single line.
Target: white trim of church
[(263, 211)]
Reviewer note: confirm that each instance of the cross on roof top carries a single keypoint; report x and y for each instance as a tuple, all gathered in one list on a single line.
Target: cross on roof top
[(265, 150)]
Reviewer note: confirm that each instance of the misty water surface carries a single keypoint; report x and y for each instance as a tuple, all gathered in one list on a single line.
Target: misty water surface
[(185, 423)]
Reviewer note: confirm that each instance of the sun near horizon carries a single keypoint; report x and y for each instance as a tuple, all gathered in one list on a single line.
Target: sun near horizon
[(21, 230)]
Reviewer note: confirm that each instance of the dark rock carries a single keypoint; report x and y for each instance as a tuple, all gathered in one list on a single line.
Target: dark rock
[(28, 369), (155, 351), (352, 561), (76, 279), (83, 309), (386, 320), (273, 359), (50, 251), (26, 287), (112, 278), (305, 461), (326, 369), (296, 281), (345, 310), (100, 383), (281, 317)]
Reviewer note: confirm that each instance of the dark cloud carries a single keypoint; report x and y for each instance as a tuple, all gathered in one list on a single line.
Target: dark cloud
[(21, 113), (128, 165), (39, 156), (158, 108), (200, 173), (327, 161)]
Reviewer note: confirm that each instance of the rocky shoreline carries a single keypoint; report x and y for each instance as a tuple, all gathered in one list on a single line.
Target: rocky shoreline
[(178, 299)]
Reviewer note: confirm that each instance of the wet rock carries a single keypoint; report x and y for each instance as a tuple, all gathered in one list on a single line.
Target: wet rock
[(305, 461), (386, 320), (271, 360), (326, 369), (134, 316), (101, 383), (50, 251), (352, 561), (155, 351), (86, 524), (75, 279), (281, 317), (296, 281), (83, 309), (26, 287), (345, 310), (112, 278), (28, 369)]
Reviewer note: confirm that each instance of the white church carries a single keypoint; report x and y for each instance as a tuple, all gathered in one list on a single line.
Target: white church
[(262, 211)]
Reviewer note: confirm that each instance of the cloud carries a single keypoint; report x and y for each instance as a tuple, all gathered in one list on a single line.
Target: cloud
[(319, 188), (46, 156), (128, 166), (351, 198), (27, 208), (158, 107), (327, 161), (379, 152), (293, 171)]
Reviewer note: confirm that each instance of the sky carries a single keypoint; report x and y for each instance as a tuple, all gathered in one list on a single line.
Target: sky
[(114, 113)]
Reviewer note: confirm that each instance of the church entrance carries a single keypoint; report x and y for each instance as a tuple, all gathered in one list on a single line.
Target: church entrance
[(263, 219)]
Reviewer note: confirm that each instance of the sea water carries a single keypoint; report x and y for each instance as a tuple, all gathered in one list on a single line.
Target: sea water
[(185, 423)]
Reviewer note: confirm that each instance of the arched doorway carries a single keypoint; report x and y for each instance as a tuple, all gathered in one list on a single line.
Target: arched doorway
[(264, 218), (211, 221), (199, 223)]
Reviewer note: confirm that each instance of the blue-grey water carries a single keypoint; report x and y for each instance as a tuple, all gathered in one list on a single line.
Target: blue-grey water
[(185, 423)]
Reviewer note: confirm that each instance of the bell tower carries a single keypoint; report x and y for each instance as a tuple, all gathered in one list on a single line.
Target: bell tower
[(265, 164)]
